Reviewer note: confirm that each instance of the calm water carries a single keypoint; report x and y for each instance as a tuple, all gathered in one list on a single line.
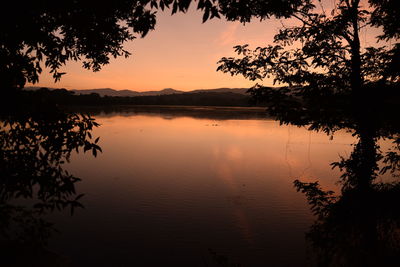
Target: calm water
[(186, 191)]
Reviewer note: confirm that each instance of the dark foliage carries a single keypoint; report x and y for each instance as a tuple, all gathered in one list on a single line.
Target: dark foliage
[(64, 97), (359, 225), (54, 32), (323, 56), (33, 150)]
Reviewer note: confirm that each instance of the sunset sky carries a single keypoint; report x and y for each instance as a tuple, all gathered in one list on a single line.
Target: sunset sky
[(181, 53)]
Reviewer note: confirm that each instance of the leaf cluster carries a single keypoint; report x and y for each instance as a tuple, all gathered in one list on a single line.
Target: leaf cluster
[(56, 32), (321, 54), (93, 32), (33, 152)]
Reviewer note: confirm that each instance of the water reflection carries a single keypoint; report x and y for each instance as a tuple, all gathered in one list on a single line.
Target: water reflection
[(173, 112), (360, 225), (33, 181), (221, 189)]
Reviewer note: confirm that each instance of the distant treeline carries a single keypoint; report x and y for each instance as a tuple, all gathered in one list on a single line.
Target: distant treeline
[(68, 98), (43, 100)]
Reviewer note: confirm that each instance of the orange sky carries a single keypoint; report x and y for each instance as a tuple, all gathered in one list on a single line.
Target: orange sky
[(181, 53)]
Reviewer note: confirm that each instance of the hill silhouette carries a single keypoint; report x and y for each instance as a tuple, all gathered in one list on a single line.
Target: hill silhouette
[(131, 93), (106, 96)]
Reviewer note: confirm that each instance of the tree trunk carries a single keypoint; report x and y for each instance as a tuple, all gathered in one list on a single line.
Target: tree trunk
[(355, 78)]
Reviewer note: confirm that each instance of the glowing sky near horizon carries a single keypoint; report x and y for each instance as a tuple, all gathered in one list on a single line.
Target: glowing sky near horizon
[(181, 53)]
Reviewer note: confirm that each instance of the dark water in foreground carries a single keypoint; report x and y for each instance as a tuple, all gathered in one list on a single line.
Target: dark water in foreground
[(174, 190), (179, 190)]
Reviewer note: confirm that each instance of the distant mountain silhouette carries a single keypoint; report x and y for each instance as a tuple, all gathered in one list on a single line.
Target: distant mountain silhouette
[(131, 93), (222, 90)]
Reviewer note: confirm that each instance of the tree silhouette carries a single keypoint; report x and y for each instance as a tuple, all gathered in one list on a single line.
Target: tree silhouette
[(359, 226), (33, 152), (323, 55), (55, 32), (92, 31)]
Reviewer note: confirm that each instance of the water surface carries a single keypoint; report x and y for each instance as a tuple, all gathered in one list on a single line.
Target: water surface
[(175, 190)]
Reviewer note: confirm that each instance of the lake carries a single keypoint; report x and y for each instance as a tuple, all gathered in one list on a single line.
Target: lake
[(190, 189)]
